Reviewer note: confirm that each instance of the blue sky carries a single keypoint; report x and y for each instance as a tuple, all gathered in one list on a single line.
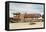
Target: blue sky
[(28, 8)]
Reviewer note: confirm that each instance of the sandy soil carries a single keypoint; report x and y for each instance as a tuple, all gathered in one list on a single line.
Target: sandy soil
[(25, 25)]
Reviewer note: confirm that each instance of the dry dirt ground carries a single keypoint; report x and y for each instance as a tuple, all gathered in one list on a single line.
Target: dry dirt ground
[(25, 25)]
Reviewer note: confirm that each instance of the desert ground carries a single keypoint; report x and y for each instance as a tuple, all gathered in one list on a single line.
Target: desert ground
[(26, 25)]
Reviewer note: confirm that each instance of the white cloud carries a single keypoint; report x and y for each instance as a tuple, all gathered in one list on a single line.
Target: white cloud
[(22, 8)]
